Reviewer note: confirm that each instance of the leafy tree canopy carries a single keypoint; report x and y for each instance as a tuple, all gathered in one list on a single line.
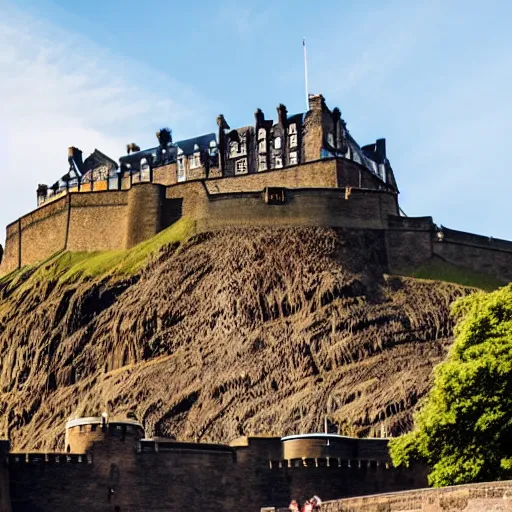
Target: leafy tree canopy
[(463, 430)]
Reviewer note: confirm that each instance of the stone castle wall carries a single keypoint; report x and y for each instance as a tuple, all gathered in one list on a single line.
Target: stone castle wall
[(325, 193), (174, 475), (496, 496)]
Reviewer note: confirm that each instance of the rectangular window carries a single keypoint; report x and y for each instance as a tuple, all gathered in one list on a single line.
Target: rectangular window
[(262, 163), (292, 128), (194, 161), (293, 158), (181, 169), (293, 141), (241, 166), (262, 146), (279, 162)]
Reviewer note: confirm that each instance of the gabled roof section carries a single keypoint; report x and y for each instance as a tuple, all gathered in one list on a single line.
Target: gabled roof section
[(97, 158)]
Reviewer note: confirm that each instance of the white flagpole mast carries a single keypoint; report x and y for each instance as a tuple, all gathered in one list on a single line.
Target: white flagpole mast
[(306, 73)]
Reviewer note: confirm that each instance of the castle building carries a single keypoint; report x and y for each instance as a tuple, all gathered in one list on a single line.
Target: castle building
[(302, 169), (109, 465)]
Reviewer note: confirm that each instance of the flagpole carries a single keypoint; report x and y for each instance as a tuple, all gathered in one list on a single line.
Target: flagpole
[(306, 73)]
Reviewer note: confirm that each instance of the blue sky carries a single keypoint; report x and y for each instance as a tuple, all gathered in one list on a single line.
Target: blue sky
[(432, 77)]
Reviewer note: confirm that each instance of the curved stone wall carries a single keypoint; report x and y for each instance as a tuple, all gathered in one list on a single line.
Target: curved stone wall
[(145, 206)]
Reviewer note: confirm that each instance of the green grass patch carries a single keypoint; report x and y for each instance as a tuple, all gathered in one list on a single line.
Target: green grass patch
[(440, 270), (72, 266)]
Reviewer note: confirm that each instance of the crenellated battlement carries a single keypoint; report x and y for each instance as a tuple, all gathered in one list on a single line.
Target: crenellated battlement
[(37, 458)]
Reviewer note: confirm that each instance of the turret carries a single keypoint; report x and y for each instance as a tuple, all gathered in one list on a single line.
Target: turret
[(87, 434)]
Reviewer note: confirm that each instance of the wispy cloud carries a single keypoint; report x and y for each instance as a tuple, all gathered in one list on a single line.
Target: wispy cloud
[(60, 90)]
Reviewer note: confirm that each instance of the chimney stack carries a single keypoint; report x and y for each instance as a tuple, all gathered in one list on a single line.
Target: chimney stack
[(316, 102), (76, 155), (282, 115)]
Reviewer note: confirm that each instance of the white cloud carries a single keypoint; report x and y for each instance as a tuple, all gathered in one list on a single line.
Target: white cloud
[(60, 90)]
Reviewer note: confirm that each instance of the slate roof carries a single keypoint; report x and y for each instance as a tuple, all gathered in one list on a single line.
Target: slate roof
[(203, 141)]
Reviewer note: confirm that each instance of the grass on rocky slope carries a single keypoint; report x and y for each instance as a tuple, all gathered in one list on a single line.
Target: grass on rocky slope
[(440, 270), (70, 266)]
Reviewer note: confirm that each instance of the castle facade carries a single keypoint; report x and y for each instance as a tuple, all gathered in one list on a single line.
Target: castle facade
[(302, 169)]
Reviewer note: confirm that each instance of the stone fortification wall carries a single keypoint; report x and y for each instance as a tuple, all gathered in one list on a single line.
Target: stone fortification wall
[(145, 207), (321, 174), (97, 222), (307, 207), (408, 242), (496, 496), (317, 193), (75, 222), (483, 254), (173, 475)]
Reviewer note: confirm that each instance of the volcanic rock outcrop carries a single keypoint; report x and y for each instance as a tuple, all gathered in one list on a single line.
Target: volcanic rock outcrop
[(227, 334)]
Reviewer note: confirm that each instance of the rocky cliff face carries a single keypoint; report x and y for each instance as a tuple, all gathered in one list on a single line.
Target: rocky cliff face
[(237, 332)]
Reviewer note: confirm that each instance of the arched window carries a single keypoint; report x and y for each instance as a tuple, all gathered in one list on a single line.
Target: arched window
[(233, 149)]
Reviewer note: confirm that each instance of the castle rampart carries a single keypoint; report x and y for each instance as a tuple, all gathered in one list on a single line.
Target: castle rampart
[(111, 465)]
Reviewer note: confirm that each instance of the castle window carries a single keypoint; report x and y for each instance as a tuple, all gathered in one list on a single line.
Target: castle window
[(181, 168), (262, 146), (243, 148), (144, 170), (293, 158), (262, 163), (233, 149), (292, 128), (293, 141), (279, 162), (194, 161), (277, 143), (241, 166), (262, 134)]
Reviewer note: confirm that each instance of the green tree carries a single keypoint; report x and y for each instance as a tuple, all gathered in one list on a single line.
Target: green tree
[(463, 429)]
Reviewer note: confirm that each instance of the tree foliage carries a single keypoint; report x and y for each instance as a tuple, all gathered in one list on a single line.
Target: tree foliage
[(463, 430)]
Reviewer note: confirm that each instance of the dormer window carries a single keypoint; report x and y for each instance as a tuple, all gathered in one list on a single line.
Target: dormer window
[(277, 143), (292, 128)]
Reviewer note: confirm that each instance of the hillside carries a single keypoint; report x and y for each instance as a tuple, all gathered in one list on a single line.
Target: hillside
[(212, 336)]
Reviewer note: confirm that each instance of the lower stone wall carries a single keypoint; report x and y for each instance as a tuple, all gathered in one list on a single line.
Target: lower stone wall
[(364, 209), (495, 262), (484, 497)]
